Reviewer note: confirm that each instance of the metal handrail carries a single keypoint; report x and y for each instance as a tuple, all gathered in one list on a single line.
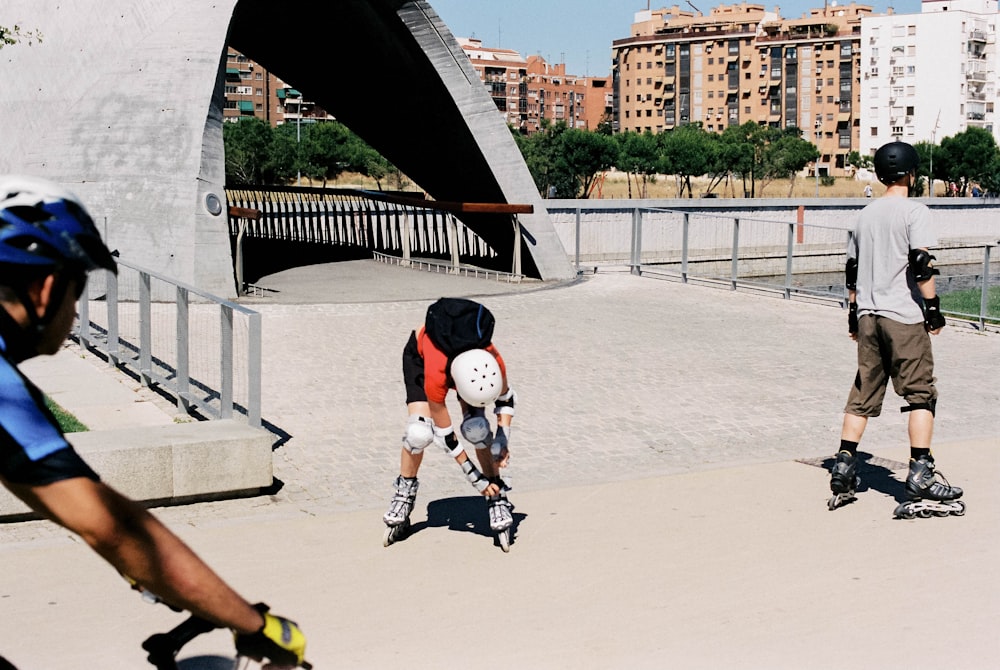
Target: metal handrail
[(128, 307)]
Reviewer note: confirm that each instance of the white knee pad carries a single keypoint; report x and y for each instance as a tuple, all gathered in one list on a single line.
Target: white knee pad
[(419, 434), (476, 429)]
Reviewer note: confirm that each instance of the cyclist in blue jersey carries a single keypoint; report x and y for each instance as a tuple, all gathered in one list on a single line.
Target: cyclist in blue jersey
[(48, 244)]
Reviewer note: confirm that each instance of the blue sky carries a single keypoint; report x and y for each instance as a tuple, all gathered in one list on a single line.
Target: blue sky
[(580, 32)]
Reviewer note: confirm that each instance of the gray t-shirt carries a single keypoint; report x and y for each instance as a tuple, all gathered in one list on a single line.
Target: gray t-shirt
[(886, 231)]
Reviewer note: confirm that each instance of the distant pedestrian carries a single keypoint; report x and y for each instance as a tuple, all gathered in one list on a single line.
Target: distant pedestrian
[(868, 190), (893, 307)]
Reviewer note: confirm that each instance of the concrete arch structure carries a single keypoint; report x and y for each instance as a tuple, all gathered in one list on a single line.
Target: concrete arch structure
[(122, 103)]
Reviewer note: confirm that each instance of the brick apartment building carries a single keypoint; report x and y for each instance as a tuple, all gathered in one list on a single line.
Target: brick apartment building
[(527, 90), (743, 63), (253, 91)]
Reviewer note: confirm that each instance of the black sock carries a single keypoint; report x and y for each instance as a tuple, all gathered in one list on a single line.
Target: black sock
[(916, 454), (849, 447)]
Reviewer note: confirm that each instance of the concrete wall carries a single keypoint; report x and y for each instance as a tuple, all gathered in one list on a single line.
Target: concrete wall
[(122, 103)]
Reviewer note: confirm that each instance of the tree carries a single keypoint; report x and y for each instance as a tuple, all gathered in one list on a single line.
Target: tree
[(741, 153), (990, 179), (585, 154), (858, 161), (541, 154), (13, 35), (687, 151), (328, 150), (638, 154), (248, 150), (965, 156), (926, 153), (785, 156), (283, 162)]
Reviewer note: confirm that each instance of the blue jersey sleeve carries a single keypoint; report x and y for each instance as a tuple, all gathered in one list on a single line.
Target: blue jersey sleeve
[(25, 420)]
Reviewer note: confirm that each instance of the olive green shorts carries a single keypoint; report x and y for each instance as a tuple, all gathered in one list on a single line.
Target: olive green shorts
[(888, 350)]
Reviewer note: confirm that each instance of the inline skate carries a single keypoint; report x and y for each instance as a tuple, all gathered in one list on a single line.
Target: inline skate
[(928, 493), (501, 518), (844, 480), (397, 519)]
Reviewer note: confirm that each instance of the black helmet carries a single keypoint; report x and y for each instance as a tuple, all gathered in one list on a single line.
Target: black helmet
[(894, 161)]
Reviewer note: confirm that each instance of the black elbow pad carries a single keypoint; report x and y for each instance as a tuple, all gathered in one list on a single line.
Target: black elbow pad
[(852, 274), (922, 265)]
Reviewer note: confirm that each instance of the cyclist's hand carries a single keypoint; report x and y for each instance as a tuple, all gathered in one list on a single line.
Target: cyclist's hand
[(280, 641)]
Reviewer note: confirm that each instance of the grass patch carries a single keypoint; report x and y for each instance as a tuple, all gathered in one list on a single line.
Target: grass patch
[(968, 302), (67, 422)]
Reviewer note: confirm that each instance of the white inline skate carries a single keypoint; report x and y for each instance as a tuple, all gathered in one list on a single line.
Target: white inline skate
[(397, 519)]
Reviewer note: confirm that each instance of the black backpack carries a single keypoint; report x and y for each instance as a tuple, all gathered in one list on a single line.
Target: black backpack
[(456, 325)]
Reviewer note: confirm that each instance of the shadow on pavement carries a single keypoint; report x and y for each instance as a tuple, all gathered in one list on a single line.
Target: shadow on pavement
[(876, 474), (465, 514)]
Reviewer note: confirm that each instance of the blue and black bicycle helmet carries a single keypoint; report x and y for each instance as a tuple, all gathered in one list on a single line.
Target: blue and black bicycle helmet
[(44, 229)]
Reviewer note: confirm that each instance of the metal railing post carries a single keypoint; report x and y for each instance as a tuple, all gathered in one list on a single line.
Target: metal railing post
[(685, 233), (226, 362), (452, 231), (984, 298), (789, 255), (578, 222), (405, 237), (183, 349), (254, 359), (636, 241), (111, 303), (734, 280), (516, 269), (83, 312), (145, 330)]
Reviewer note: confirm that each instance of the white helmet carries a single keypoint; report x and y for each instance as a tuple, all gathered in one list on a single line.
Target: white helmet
[(477, 377)]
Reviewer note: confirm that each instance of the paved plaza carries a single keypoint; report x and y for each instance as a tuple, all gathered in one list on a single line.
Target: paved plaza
[(670, 499)]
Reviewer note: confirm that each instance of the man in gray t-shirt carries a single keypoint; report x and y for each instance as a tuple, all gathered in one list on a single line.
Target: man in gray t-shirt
[(893, 307)]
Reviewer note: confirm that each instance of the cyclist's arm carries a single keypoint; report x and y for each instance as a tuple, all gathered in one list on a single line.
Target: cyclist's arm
[(140, 546)]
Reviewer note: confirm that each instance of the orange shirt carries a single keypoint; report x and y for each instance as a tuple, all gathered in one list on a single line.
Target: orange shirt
[(436, 378)]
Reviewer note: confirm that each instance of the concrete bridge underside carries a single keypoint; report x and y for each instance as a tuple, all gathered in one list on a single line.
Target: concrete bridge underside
[(122, 102)]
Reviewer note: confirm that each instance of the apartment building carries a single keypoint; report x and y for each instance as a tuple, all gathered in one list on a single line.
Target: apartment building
[(744, 63), (528, 90), (930, 75), (251, 90)]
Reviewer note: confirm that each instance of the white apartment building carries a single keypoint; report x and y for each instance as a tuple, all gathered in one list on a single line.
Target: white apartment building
[(928, 76)]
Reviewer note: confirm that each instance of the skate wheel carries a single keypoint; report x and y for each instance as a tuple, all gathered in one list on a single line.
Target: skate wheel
[(904, 512), (831, 504), (394, 533), (925, 513), (504, 538), (960, 510)]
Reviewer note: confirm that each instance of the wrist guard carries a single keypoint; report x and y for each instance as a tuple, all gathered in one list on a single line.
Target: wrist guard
[(852, 318), (446, 439), (474, 476), (933, 318), (505, 403)]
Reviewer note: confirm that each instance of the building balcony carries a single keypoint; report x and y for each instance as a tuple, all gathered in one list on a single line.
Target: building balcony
[(976, 75)]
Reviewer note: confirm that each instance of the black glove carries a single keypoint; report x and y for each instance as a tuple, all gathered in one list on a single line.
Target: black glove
[(852, 318), (279, 640), (933, 318)]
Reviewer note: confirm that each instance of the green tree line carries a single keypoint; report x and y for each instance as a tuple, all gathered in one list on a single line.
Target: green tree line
[(567, 162), (257, 154)]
